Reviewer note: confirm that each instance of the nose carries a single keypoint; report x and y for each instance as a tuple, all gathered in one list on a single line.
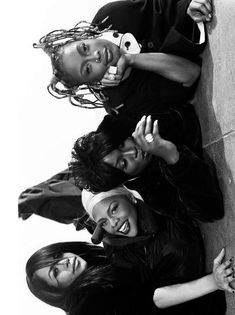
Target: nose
[(128, 152), (95, 56), (114, 222), (65, 263)]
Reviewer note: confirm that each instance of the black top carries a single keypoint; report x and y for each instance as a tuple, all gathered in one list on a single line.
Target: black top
[(159, 26)]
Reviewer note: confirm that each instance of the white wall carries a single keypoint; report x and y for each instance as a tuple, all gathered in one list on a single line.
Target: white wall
[(47, 126)]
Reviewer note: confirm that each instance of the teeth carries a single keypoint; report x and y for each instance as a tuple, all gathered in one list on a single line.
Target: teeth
[(124, 227)]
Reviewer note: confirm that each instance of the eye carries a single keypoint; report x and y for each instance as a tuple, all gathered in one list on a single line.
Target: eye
[(104, 223), (114, 209), (57, 256), (88, 69), (55, 272), (122, 164), (84, 48), (121, 146)]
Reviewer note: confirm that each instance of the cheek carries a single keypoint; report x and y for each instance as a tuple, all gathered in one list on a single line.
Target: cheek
[(98, 72)]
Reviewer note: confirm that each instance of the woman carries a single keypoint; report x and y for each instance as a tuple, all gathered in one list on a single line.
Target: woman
[(137, 236), (149, 80), (169, 177), (99, 287)]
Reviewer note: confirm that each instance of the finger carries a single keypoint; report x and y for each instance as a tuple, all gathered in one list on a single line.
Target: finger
[(229, 289), (200, 7), (230, 279), (229, 271), (141, 128), (206, 3), (226, 264), (148, 126), (155, 128), (137, 133), (219, 258)]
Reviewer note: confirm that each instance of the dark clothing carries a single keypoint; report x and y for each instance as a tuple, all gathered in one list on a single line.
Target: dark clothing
[(168, 250), (189, 186), (57, 199), (159, 26)]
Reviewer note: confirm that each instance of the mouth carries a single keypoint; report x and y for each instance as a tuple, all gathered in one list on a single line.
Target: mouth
[(75, 264), (124, 228), (108, 56)]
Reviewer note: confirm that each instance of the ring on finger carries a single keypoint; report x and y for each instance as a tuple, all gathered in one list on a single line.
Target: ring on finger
[(149, 138), (112, 76)]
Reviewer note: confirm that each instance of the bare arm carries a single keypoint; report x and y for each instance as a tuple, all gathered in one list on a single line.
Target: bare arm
[(222, 275)]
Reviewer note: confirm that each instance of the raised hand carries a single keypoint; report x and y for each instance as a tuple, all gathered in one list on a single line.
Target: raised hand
[(114, 79), (147, 136), (200, 10)]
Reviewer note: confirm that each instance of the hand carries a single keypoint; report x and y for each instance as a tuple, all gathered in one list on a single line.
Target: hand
[(200, 10), (223, 272), (111, 80), (158, 146)]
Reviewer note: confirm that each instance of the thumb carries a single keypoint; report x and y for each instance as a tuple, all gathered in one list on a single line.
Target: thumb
[(219, 258)]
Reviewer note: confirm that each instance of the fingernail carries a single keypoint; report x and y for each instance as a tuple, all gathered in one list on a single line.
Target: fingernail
[(210, 15)]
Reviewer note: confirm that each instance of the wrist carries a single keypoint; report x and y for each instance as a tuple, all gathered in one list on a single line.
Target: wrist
[(129, 59), (173, 157)]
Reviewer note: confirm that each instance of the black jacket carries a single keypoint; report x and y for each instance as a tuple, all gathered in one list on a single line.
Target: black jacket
[(159, 26)]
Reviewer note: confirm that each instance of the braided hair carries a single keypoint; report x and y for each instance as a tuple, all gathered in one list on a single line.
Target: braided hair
[(85, 95)]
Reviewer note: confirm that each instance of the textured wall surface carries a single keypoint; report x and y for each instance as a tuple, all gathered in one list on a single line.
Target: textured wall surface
[(215, 104)]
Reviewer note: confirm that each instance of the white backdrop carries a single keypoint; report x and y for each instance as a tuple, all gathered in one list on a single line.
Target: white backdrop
[(47, 127)]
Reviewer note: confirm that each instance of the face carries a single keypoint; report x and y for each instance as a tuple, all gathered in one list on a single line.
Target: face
[(118, 214), (87, 61), (64, 272), (129, 158)]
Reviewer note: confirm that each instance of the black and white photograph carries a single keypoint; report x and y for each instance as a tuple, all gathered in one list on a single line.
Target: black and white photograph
[(125, 130)]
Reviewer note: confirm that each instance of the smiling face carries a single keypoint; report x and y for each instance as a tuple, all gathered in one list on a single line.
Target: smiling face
[(87, 61), (118, 214), (129, 158), (64, 272)]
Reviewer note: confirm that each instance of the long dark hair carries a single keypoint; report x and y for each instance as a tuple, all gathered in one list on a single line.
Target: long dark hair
[(98, 273)]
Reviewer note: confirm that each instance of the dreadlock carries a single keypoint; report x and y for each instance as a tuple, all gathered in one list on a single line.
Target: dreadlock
[(53, 44)]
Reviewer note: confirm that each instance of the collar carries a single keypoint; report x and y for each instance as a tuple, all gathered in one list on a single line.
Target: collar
[(126, 42)]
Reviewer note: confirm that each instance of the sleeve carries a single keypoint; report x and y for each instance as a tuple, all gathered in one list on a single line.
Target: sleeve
[(158, 25), (57, 199), (184, 34), (197, 187)]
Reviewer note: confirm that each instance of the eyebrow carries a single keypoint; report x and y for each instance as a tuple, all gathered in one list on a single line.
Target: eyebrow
[(49, 272), (82, 64)]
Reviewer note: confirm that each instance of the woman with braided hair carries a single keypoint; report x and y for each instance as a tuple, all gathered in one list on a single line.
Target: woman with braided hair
[(81, 57)]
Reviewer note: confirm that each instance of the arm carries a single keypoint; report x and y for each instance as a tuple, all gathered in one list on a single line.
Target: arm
[(222, 275), (172, 67), (196, 192)]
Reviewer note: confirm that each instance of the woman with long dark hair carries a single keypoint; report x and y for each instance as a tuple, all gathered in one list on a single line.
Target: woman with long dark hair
[(77, 277)]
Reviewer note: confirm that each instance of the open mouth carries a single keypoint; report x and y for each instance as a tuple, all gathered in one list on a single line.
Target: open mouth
[(125, 227), (108, 56), (75, 264)]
